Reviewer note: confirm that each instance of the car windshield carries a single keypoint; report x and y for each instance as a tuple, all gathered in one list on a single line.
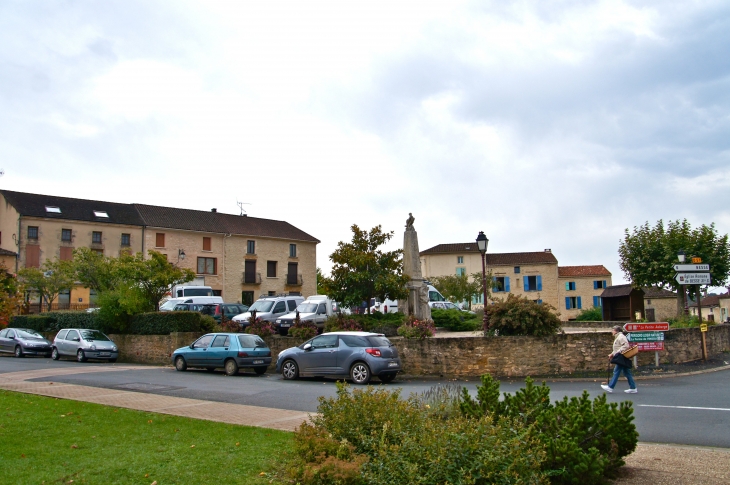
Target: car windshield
[(379, 341), (197, 292), (251, 341), (168, 305), (451, 306), (307, 308), (94, 335), (261, 306), (28, 334)]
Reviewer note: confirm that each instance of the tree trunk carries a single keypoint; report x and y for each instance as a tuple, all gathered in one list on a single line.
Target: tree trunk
[(680, 301)]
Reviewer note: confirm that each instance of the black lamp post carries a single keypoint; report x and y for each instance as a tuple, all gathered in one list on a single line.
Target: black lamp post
[(482, 243)]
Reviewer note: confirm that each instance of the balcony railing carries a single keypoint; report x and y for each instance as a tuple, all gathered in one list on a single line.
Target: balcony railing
[(251, 278), (294, 280)]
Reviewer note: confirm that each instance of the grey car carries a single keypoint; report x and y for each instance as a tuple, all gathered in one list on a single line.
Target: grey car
[(24, 341), (84, 343), (357, 355)]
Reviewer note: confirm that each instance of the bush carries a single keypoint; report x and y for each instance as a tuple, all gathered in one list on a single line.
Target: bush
[(688, 321), (418, 329), (585, 440), (39, 323), (337, 323), (303, 330), (593, 314), (454, 320), (163, 323), (519, 316), (118, 307), (261, 328), (55, 321)]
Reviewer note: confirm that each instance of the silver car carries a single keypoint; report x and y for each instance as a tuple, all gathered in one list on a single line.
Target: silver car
[(357, 355), (24, 341), (84, 344)]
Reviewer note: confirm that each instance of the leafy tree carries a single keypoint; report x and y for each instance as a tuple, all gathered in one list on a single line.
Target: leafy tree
[(648, 254), (320, 281), (593, 314), (154, 276), (10, 297), (361, 271), (517, 315), (48, 280), (458, 288), (96, 271)]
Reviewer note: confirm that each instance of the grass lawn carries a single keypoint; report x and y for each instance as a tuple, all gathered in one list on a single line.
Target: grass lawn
[(47, 440)]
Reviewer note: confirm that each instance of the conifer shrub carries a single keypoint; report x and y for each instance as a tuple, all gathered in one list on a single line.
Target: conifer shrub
[(516, 315)]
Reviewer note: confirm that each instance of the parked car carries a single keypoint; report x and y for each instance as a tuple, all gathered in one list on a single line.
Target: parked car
[(229, 310), (23, 341), (84, 344), (447, 305), (357, 355), (190, 307), (315, 309), (269, 308), (169, 305), (231, 351)]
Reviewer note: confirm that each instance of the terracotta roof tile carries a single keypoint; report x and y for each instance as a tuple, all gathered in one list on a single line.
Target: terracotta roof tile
[(495, 259), (596, 270), (5, 252), (710, 300)]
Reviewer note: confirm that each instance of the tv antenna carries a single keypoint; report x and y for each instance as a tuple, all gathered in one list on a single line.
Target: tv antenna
[(2, 172), (240, 206)]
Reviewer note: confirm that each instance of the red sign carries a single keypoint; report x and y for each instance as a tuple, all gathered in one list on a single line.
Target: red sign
[(647, 327), (651, 346)]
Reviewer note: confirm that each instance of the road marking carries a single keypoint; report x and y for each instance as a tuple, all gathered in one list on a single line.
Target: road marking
[(682, 407)]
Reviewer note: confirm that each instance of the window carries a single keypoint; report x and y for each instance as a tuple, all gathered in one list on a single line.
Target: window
[(532, 283), (221, 341), (67, 253), (251, 247), (460, 260), (570, 286), (598, 301), (500, 283), (324, 342), (272, 293), (64, 299), (597, 285), (160, 240), (249, 275), (539, 302), (66, 235), (98, 251), (32, 256), (247, 298), (206, 265), (517, 270), (572, 302), (271, 269), (32, 232), (291, 277), (292, 250), (126, 240), (460, 271), (101, 214), (206, 244), (292, 304), (280, 307), (96, 237), (203, 342), (72, 335), (53, 210)]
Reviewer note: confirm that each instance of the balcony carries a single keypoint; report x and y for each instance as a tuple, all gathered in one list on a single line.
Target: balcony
[(294, 280), (251, 278)]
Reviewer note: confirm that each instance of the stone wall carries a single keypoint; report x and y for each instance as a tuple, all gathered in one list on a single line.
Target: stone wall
[(597, 325)]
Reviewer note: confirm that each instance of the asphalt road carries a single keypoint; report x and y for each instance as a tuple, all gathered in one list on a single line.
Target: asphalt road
[(691, 410)]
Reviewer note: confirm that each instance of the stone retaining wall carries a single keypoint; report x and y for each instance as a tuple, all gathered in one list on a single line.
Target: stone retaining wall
[(600, 324)]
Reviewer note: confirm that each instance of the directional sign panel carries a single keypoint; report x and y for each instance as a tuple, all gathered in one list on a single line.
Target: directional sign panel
[(693, 278), (692, 267), (647, 327), (651, 346), (646, 337)]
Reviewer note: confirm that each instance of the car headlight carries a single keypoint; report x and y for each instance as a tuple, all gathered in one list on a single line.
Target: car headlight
[(93, 347), (114, 349), (278, 321)]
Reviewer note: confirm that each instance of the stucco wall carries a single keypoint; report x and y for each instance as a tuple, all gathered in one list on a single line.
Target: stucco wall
[(583, 288), (664, 308)]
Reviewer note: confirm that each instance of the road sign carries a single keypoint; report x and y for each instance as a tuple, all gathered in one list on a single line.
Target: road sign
[(651, 346), (647, 327), (693, 278), (703, 327), (646, 337), (691, 267)]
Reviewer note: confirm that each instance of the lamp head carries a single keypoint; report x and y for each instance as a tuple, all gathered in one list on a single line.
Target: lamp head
[(681, 256), (181, 254), (482, 242)]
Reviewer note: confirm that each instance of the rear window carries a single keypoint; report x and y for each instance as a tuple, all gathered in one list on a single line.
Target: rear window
[(379, 341), (62, 334), (251, 341), (355, 341), (292, 305)]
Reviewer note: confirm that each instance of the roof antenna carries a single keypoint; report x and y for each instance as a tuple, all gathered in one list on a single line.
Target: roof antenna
[(2, 172), (240, 206)]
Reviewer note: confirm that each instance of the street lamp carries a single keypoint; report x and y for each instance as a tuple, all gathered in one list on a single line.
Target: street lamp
[(681, 256), (180, 255), (482, 243)]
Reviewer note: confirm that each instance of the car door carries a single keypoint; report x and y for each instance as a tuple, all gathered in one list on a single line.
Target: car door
[(321, 313), (218, 351), (197, 353), (4, 340), (279, 310), (321, 358), (70, 343)]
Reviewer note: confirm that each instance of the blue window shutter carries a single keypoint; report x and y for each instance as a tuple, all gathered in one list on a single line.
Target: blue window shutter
[(526, 283), (567, 286), (595, 301), (579, 304), (604, 283), (506, 284), (539, 283), (539, 302), (567, 303), (495, 288), (595, 285)]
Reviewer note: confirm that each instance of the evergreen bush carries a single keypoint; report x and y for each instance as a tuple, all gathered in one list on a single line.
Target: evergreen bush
[(340, 322), (593, 314), (39, 323), (455, 320), (517, 315), (55, 321), (163, 323)]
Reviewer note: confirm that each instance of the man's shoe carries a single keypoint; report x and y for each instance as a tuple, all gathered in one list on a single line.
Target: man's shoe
[(606, 388), (631, 391)]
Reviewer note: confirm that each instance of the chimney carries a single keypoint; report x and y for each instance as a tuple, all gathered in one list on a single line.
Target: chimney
[(214, 209), (548, 250)]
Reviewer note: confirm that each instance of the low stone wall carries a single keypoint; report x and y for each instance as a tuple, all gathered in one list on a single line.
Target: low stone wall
[(600, 324)]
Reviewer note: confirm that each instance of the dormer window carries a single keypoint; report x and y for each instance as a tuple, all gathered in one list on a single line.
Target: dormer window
[(53, 209), (101, 214)]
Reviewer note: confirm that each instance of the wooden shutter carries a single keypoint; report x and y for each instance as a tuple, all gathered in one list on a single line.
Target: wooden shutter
[(67, 253), (567, 303), (160, 240), (526, 283), (604, 283), (539, 283), (506, 284), (271, 269), (291, 277), (580, 306), (206, 244), (250, 271), (32, 256)]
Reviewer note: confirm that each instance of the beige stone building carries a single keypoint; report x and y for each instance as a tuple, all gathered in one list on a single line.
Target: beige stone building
[(659, 304), (711, 308), (580, 287), (724, 301), (240, 257)]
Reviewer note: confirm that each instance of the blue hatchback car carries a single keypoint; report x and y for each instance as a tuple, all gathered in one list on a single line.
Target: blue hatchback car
[(231, 351)]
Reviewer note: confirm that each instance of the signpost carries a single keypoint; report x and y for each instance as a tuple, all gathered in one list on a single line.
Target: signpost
[(651, 347), (647, 327), (695, 274), (646, 337), (693, 278), (693, 268), (703, 332)]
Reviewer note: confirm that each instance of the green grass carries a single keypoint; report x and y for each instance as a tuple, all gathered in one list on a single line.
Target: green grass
[(47, 440)]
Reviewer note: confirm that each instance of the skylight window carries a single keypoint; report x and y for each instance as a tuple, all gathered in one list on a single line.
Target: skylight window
[(101, 214), (53, 209)]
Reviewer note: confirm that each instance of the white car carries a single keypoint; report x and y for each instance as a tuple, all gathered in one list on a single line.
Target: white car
[(446, 305)]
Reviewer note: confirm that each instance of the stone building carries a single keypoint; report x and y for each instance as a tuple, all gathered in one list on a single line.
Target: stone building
[(7, 259), (711, 308), (580, 287), (659, 304), (240, 257), (724, 301)]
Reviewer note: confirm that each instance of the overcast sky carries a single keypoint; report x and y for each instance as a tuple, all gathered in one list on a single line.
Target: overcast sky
[(544, 124)]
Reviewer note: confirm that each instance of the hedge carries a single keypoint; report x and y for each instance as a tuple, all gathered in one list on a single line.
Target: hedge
[(55, 321), (455, 320), (155, 323)]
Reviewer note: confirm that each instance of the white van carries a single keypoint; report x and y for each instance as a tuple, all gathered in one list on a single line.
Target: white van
[(391, 306), (182, 291), (169, 305)]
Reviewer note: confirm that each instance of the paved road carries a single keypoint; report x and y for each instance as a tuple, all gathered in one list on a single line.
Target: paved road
[(698, 411)]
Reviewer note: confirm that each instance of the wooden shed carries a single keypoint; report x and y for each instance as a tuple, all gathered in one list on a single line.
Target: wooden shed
[(621, 302)]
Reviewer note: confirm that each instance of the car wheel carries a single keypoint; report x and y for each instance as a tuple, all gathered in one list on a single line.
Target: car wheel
[(54, 354), (386, 378), (80, 356), (18, 351), (112, 360), (231, 367), (290, 370), (360, 373), (259, 370), (180, 364)]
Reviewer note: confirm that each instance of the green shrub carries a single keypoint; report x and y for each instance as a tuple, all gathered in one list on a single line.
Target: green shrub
[(118, 307), (455, 320), (303, 330), (418, 329), (687, 321), (260, 327), (585, 440), (593, 314), (39, 323), (163, 323), (340, 322), (517, 315), (55, 321)]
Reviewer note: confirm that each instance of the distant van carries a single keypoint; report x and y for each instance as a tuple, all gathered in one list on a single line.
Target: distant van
[(182, 291), (169, 305)]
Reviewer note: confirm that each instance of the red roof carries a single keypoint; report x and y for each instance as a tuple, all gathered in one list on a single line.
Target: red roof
[(596, 270), (495, 259)]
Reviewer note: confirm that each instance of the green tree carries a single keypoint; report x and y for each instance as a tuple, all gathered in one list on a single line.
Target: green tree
[(648, 254), (48, 280), (362, 271), (320, 281), (10, 297), (98, 272), (458, 288), (155, 276)]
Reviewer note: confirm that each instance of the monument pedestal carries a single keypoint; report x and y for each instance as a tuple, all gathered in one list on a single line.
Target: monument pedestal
[(417, 302)]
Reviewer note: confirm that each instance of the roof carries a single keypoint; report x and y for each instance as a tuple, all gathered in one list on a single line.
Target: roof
[(34, 205), (495, 259), (5, 252), (710, 300), (654, 292), (205, 221), (619, 290), (596, 270)]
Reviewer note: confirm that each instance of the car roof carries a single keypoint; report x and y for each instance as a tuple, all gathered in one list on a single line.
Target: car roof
[(87, 329), (357, 334)]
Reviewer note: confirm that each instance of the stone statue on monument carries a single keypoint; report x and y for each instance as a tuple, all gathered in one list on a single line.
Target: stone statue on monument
[(409, 222), (417, 302)]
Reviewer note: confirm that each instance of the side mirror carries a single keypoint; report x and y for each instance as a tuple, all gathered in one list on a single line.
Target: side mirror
[(192, 346), (307, 347), (77, 339)]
